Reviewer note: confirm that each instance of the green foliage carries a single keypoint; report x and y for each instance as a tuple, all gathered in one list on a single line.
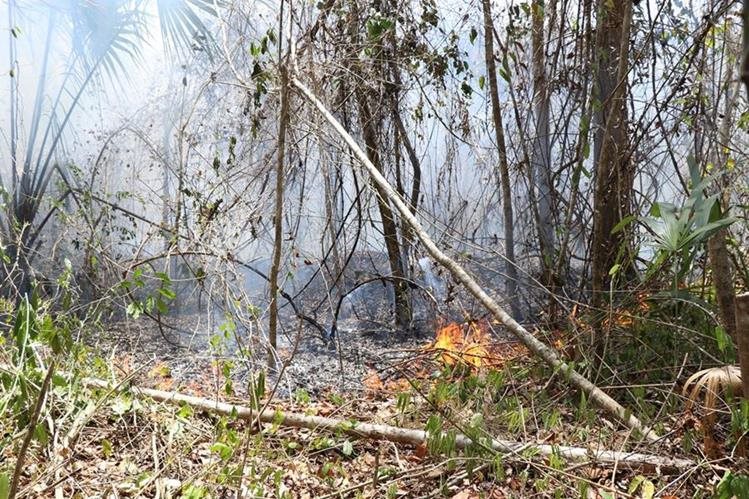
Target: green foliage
[(660, 332), (439, 441), (156, 300), (732, 485), (377, 26), (678, 233), (740, 420), (301, 396)]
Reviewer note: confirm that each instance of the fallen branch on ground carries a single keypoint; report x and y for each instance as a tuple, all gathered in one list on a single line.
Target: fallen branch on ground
[(548, 354), (396, 434)]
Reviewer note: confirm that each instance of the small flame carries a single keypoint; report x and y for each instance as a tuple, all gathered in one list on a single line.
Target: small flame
[(469, 345)]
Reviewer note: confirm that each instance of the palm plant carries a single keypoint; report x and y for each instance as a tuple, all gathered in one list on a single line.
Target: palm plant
[(103, 37), (678, 233)]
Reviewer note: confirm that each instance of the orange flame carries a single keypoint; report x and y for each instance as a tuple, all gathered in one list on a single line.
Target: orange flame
[(469, 345)]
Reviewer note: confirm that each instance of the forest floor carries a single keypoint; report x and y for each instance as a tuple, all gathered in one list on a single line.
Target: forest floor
[(130, 446)]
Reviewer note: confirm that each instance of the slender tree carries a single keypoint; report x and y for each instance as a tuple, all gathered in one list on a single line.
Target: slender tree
[(541, 157), (283, 124), (504, 169), (613, 167)]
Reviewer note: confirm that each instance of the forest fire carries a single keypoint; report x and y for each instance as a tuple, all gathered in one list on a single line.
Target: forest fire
[(468, 344)]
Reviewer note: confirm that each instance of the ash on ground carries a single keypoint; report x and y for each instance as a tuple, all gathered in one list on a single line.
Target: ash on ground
[(193, 340), (304, 360)]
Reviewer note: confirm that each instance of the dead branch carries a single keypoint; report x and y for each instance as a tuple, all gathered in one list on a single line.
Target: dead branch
[(396, 434)]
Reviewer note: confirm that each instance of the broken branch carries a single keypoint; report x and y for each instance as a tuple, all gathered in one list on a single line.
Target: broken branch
[(549, 355), (394, 433)]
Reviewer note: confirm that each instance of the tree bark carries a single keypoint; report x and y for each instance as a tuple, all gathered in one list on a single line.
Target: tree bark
[(546, 353), (717, 245), (278, 217), (504, 169), (541, 157), (742, 336), (720, 264), (613, 168)]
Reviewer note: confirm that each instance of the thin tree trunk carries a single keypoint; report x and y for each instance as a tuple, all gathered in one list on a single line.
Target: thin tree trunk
[(742, 335), (720, 264), (548, 354), (278, 217), (541, 157), (504, 170), (416, 166), (745, 46), (403, 311), (720, 261), (563, 265), (370, 119), (613, 169)]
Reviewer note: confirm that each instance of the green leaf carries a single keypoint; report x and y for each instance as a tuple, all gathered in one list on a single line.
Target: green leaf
[(40, 434), (347, 448), (482, 81), (623, 223), (223, 450), (121, 405), (4, 485), (106, 448), (472, 35), (377, 26), (505, 71), (59, 380), (635, 484), (586, 150), (134, 310), (163, 276), (647, 490), (722, 339)]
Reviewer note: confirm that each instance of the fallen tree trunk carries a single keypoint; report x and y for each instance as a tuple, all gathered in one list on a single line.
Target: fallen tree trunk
[(396, 434), (536, 346)]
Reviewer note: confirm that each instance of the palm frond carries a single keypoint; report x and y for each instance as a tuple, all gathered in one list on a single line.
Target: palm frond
[(182, 26), (106, 33)]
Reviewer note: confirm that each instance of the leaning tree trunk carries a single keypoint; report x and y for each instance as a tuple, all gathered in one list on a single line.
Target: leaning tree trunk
[(504, 170), (548, 354), (613, 169)]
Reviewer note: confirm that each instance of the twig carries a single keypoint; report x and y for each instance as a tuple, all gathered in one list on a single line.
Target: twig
[(30, 433)]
